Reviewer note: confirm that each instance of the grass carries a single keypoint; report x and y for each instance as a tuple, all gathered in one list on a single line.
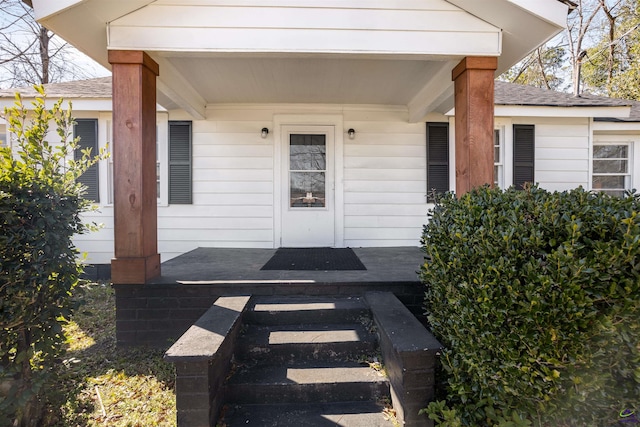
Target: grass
[(98, 384)]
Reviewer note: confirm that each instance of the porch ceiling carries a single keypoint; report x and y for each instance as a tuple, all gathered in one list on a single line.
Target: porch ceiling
[(304, 79), (397, 52)]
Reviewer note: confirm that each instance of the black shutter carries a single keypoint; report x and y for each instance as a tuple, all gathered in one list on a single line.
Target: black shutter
[(87, 131), (523, 154), (180, 163), (437, 159)]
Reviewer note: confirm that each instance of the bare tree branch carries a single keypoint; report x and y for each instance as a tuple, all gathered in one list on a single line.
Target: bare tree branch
[(31, 54)]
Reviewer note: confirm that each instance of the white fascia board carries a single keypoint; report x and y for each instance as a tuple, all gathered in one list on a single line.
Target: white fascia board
[(78, 104), (83, 23), (526, 24), (436, 91), (551, 11), (550, 111), (45, 8), (613, 127), (542, 111), (173, 85)]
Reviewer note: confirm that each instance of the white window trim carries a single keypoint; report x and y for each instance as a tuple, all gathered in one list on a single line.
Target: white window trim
[(634, 156), (105, 132), (505, 126), (499, 180)]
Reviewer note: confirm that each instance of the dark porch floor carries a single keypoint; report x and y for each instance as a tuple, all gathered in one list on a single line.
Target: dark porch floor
[(218, 266)]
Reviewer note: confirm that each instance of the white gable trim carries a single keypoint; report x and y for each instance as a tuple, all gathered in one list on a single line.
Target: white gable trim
[(429, 29)]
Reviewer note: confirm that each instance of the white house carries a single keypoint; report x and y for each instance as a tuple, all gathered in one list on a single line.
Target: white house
[(307, 71), (231, 194)]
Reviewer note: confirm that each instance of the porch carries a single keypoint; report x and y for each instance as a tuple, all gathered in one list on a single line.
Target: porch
[(160, 311), (234, 269)]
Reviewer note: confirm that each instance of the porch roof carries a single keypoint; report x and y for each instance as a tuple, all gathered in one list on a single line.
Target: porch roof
[(306, 51)]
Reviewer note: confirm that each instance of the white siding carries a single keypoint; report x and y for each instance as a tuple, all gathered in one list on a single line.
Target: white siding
[(233, 183), (561, 151), (384, 180)]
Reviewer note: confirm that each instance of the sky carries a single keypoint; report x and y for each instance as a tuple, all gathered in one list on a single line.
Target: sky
[(18, 32)]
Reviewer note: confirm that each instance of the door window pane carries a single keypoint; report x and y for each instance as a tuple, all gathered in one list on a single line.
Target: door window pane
[(610, 151), (307, 168), (610, 166), (307, 189), (308, 152)]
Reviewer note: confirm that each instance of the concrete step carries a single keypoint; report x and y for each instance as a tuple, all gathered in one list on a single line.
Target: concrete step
[(345, 414), (307, 382), (306, 309), (283, 343)]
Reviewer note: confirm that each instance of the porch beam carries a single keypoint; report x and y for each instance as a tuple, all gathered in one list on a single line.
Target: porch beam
[(436, 92), (474, 105), (134, 164), (179, 90)]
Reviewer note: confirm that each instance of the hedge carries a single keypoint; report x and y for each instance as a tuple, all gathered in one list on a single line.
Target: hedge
[(536, 297), (40, 207)]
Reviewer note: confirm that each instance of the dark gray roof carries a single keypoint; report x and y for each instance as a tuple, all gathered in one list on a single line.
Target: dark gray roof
[(515, 94), (92, 88), (506, 94)]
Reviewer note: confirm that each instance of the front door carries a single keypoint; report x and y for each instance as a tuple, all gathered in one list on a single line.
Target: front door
[(308, 186)]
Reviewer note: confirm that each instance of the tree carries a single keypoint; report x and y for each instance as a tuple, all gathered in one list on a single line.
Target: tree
[(31, 54), (545, 67), (613, 66), (542, 68), (579, 24)]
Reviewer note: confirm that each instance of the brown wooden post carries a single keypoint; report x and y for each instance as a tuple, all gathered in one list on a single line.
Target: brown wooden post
[(474, 103), (134, 166)]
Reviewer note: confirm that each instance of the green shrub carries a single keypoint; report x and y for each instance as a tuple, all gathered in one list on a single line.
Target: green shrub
[(535, 296), (40, 206)]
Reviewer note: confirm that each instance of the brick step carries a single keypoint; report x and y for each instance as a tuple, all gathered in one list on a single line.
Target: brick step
[(283, 343), (306, 310), (307, 382), (345, 414)]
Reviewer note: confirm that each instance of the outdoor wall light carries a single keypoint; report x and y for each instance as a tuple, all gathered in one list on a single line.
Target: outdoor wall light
[(351, 133), (265, 133)]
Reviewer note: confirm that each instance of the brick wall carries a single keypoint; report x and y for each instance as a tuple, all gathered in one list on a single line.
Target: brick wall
[(157, 315)]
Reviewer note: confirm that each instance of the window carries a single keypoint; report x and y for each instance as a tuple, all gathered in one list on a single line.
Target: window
[(87, 131), (611, 168), (437, 159), (180, 188), (513, 163), (523, 155), (498, 158)]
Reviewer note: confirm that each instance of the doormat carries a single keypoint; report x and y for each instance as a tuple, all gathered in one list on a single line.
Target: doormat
[(316, 259)]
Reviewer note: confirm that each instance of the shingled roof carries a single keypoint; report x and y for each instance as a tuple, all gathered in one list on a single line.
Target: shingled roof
[(515, 94), (505, 93), (92, 88)]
